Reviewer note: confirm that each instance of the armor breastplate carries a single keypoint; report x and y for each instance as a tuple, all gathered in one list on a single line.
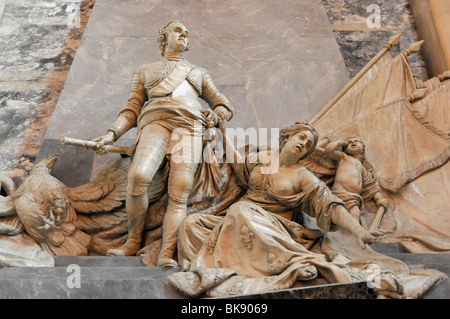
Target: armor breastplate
[(185, 89)]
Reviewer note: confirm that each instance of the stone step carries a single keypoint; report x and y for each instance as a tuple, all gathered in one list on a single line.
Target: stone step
[(86, 273), (98, 261), (387, 248), (58, 288), (87, 277), (440, 290), (438, 261), (126, 277), (154, 288)]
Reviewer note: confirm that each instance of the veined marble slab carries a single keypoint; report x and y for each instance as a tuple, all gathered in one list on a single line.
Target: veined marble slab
[(33, 51)]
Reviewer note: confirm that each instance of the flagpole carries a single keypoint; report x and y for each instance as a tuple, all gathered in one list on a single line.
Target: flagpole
[(394, 40)]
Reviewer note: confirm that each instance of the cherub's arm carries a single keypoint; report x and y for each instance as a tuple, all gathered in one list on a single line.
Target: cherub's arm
[(320, 147), (332, 206), (323, 142), (371, 189), (380, 200), (334, 150)]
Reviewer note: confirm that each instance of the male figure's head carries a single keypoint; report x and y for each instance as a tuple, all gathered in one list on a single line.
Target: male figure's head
[(173, 36), (355, 147)]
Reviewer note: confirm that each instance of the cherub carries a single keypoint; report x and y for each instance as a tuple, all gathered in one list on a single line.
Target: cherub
[(353, 177)]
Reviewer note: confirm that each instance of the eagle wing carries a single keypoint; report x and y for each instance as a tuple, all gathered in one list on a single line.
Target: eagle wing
[(10, 224), (105, 193)]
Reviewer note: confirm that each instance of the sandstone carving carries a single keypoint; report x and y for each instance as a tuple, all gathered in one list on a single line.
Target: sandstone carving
[(163, 101), (257, 220), (343, 165)]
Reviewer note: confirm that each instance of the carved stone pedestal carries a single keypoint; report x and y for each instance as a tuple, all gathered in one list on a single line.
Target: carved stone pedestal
[(99, 278), (127, 278), (441, 262), (354, 290)]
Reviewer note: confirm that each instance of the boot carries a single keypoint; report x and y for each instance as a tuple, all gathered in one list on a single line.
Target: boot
[(176, 211), (130, 248), (165, 258), (136, 222)]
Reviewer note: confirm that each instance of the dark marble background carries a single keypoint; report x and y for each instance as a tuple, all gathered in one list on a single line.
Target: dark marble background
[(276, 61), (358, 43), (37, 47)]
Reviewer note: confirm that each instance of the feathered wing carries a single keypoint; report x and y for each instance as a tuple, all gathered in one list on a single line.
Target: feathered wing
[(6, 206), (321, 165), (105, 193), (319, 162), (10, 224), (100, 205), (34, 208)]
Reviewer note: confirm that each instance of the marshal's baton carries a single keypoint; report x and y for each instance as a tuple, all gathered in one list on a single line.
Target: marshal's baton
[(377, 220), (94, 145)]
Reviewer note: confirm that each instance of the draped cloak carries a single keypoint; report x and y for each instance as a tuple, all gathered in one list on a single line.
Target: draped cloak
[(253, 248)]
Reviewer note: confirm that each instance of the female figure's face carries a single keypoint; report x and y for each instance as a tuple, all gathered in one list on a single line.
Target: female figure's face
[(299, 144)]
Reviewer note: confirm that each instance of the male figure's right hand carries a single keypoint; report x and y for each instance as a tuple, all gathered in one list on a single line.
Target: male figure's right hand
[(106, 139)]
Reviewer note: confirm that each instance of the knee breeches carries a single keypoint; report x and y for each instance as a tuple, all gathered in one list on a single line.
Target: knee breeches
[(154, 144)]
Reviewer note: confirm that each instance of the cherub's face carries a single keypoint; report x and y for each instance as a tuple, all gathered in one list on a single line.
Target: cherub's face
[(300, 144), (354, 146), (177, 38)]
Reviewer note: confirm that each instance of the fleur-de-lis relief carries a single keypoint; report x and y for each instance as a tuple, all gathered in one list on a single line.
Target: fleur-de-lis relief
[(237, 288), (210, 245), (247, 237), (276, 264)]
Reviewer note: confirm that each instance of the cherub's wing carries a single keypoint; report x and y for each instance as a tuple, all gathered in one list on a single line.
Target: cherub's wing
[(105, 193), (319, 163)]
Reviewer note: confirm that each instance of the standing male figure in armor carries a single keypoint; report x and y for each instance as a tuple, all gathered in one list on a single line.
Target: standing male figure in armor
[(164, 97)]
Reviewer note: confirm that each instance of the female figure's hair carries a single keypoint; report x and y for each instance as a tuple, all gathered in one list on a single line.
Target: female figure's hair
[(298, 127)]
